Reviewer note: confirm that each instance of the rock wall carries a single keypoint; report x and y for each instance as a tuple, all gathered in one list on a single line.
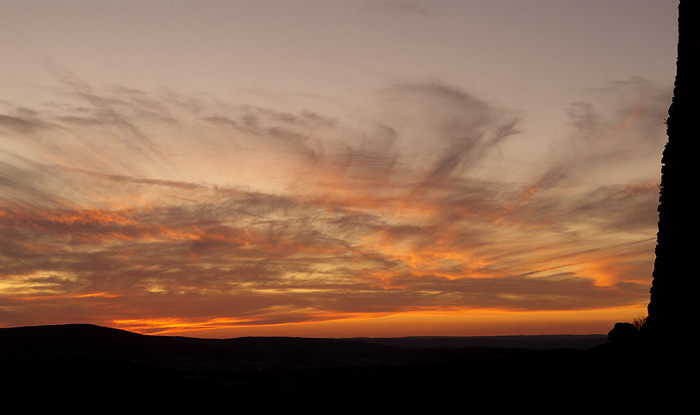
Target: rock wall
[(674, 293)]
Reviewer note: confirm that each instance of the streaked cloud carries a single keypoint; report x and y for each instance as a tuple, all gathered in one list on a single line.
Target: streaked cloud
[(123, 207)]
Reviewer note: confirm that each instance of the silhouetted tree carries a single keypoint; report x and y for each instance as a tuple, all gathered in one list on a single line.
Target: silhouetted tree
[(675, 277), (638, 322)]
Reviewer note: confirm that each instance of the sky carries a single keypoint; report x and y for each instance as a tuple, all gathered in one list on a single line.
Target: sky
[(335, 168)]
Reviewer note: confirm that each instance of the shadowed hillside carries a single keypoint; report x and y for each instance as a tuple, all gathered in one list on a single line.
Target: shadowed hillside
[(77, 341), (103, 363), (527, 342), (245, 353)]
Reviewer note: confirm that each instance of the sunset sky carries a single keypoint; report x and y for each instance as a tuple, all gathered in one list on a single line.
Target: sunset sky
[(331, 168)]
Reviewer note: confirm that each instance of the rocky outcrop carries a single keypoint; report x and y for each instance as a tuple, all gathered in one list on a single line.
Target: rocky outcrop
[(623, 333), (676, 274)]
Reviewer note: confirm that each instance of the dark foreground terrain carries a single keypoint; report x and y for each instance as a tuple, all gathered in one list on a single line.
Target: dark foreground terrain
[(71, 365)]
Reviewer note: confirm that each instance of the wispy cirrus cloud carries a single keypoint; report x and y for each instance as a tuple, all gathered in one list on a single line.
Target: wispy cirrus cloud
[(255, 215)]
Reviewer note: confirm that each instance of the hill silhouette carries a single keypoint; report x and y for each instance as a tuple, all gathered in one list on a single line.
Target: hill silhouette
[(256, 353), (103, 363)]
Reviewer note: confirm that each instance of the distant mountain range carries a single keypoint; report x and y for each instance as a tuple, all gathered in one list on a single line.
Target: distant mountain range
[(104, 363), (573, 341), (247, 353)]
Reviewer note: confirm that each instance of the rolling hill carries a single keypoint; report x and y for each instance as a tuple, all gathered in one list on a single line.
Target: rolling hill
[(102, 363)]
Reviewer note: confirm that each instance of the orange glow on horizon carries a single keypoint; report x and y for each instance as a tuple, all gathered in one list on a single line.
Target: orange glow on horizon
[(166, 325), (448, 322)]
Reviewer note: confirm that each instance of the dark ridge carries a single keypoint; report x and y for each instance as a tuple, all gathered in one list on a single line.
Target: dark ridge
[(115, 367), (578, 342), (96, 342)]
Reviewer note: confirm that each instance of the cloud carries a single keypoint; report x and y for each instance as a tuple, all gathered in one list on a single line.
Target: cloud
[(618, 133), (103, 109), (265, 216), (445, 127), (20, 124)]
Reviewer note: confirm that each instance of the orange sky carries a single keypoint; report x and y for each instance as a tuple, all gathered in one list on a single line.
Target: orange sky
[(331, 169)]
